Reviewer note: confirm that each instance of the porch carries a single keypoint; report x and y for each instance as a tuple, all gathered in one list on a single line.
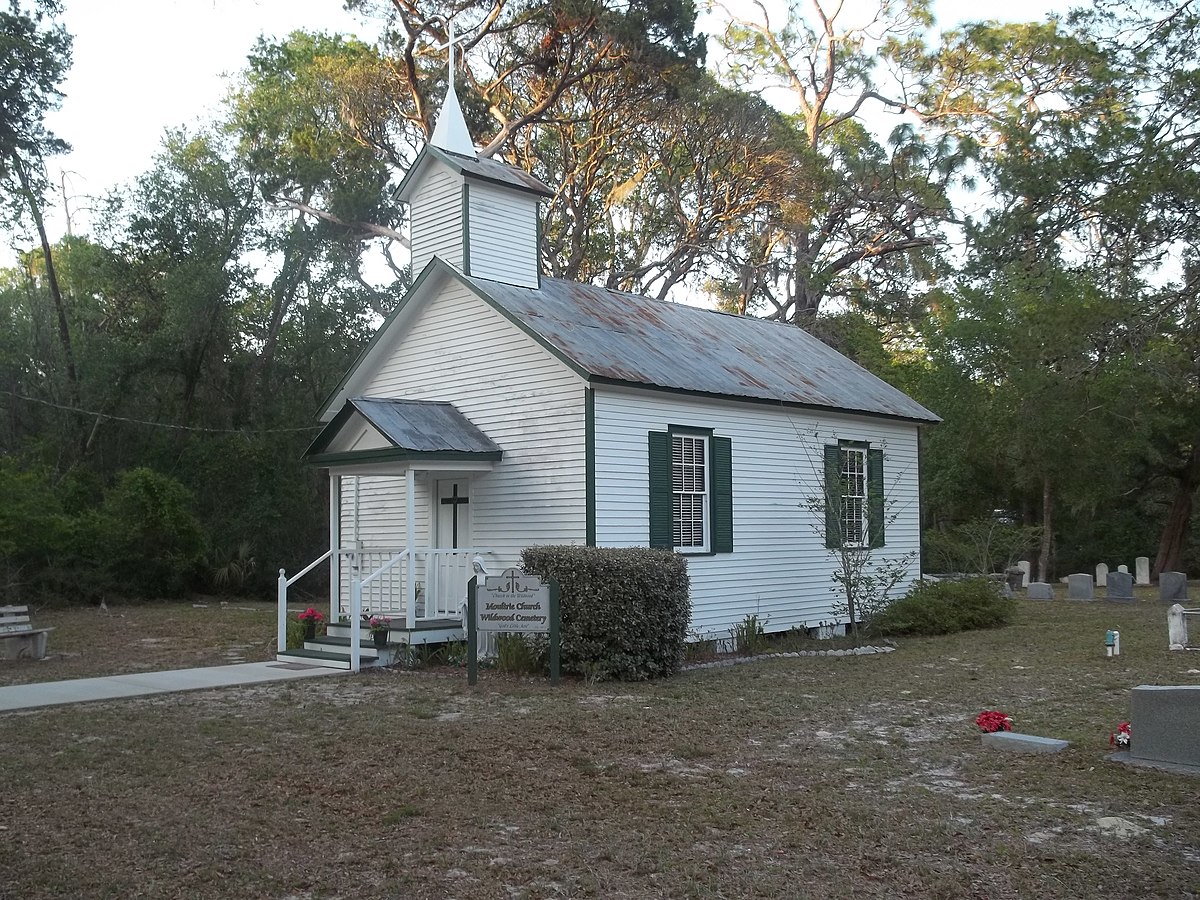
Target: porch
[(401, 479), (422, 592)]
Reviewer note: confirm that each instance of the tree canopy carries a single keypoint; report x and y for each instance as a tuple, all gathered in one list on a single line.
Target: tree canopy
[(999, 218)]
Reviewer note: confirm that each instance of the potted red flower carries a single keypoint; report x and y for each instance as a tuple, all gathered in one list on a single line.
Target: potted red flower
[(310, 619)]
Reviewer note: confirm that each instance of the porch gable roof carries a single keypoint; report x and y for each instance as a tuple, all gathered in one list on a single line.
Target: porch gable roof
[(413, 430)]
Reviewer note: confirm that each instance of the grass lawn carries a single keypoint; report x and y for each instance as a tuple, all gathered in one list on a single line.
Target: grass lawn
[(146, 637), (810, 777)]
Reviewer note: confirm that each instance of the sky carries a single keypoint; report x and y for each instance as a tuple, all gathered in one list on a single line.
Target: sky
[(143, 66)]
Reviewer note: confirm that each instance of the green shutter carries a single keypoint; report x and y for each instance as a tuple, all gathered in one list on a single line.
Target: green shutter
[(875, 497), (661, 532), (833, 496), (721, 531)]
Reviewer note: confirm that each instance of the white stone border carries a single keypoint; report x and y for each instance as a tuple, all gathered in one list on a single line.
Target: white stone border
[(739, 660)]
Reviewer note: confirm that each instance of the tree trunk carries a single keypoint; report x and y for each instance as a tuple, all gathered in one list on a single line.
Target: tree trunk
[(1175, 529), (60, 309), (1047, 530)]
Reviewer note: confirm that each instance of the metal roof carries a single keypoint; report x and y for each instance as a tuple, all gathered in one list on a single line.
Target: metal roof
[(631, 339), (414, 426), (424, 425), (490, 170), (493, 170)]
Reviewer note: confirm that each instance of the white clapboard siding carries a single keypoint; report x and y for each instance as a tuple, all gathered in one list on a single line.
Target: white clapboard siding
[(780, 569), (436, 218), (503, 228), (457, 348), (372, 520)]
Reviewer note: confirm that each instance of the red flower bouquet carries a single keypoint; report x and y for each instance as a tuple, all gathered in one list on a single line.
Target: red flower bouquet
[(992, 720)]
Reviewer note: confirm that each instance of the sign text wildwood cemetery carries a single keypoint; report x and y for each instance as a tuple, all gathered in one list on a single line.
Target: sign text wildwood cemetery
[(513, 602)]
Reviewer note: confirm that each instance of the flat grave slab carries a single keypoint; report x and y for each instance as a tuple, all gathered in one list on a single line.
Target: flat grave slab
[(1024, 743)]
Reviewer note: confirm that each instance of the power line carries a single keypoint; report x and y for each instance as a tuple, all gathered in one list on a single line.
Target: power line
[(195, 428)]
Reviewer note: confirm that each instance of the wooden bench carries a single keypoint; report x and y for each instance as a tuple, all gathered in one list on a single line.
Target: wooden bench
[(18, 638)]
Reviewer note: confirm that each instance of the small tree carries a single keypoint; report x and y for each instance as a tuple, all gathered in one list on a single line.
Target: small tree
[(864, 577)]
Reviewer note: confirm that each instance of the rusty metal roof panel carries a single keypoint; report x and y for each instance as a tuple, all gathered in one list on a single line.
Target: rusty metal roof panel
[(493, 170), (628, 338), (424, 426)]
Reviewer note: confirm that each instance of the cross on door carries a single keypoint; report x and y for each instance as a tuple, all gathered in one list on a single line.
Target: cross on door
[(454, 501)]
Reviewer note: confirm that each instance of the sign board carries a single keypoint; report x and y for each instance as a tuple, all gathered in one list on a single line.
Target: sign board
[(513, 601)]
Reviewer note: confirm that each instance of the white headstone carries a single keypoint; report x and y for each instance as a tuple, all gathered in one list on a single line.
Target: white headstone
[(1023, 565), (1124, 570), (1141, 567), (1177, 633), (1101, 574)]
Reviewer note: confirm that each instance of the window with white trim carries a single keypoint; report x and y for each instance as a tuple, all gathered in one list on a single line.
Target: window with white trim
[(853, 494), (689, 492)]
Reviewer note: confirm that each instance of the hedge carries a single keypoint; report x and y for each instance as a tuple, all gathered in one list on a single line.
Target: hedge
[(625, 611), (945, 607)]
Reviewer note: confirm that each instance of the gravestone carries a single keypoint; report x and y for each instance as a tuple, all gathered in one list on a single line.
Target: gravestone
[(1172, 586), (1141, 566), (1023, 565), (1101, 574), (1165, 720), (1024, 743), (1120, 587), (1040, 590), (1123, 569), (1079, 587), (1177, 630)]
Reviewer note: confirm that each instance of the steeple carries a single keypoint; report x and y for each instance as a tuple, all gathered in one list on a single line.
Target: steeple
[(451, 133), (478, 215)]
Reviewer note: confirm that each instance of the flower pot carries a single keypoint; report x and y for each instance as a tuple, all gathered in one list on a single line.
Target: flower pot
[(380, 638), (310, 631)]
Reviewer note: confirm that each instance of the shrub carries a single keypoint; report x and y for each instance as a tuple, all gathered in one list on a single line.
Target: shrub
[(148, 537), (944, 607), (625, 611)]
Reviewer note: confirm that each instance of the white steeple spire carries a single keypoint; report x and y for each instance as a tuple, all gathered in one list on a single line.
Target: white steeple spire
[(451, 133)]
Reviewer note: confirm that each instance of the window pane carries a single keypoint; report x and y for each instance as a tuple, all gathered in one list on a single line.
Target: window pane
[(853, 495), (690, 490)]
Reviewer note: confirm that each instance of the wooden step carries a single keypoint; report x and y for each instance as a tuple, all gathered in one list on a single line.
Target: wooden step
[(318, 658)]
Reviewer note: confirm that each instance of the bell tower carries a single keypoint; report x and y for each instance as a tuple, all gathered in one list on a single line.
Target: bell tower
[(479, 215)]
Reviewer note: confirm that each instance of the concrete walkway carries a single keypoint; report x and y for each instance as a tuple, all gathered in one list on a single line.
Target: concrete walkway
[(115, 687)]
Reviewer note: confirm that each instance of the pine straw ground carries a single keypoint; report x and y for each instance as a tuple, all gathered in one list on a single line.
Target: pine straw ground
[(809, 777)]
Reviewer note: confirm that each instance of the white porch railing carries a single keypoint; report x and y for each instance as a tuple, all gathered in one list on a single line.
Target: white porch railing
[(409, 585)]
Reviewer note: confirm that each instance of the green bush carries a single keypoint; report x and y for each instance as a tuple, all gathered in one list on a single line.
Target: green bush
[(944, 607), (625, 611), (147, 536)]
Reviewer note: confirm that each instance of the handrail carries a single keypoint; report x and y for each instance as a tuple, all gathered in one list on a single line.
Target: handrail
[(312, 565), (386, 566), (412, 555)]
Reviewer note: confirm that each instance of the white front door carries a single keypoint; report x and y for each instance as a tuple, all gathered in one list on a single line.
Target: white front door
[(453, 529), (449, 572)]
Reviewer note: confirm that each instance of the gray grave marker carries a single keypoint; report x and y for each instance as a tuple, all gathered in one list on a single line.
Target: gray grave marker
[(1023, 565), (1101, 574), (1166, 720), (1123, 569), (1172, 586), (1079, 587), (1040, 590), (1120, 587), (1141, 567)]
